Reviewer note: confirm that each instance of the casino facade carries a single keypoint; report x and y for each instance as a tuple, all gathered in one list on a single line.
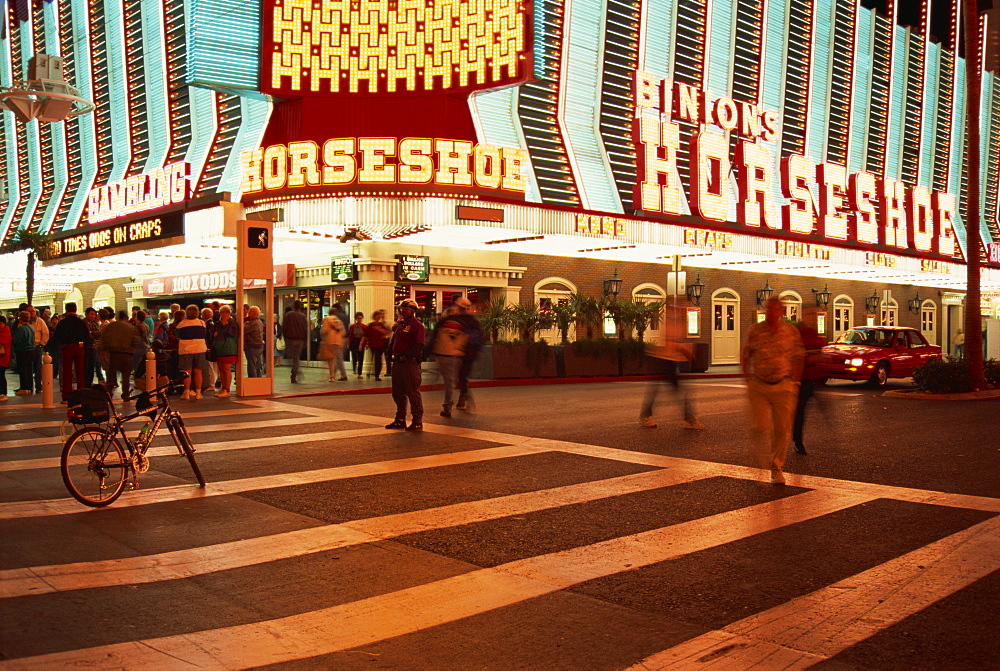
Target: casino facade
[(505, 148)]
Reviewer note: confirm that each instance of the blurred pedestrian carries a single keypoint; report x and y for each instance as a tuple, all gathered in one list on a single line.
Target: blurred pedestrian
[(453, 344), (376, 339), (73, 339), (356, 343), (209, 373), (42, 336), (296, 330), (408, 337), (253, 342), (772, 360), (93, 359), (6, 349), (119, 341), (812, 372), (23, 344), (191, 350), (225, 343), (331, 346), (666, 358), (959, 343)]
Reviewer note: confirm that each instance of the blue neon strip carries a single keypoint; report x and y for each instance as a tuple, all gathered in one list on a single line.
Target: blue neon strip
[(224, 43), (658, 43), (155, 74), (897, 97), (933, 65), (254, 114), (720, 48), (121, 135), (862, 91), (60, 169), (85, 123), (774, 56), (957, 142), (496, 112), (9, 149), (818, 106), (34, 145), (203, 125)]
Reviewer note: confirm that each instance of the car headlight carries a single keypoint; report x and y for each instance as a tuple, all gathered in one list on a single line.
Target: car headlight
[(856, 362)]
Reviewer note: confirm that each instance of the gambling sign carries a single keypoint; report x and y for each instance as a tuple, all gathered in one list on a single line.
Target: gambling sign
[(412, 268), (122, 237)]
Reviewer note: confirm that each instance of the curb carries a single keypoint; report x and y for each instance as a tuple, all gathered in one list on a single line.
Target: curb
[(984, 395)]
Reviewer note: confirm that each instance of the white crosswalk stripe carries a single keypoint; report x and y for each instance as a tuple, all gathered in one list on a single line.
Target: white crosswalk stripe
[(794, 635)]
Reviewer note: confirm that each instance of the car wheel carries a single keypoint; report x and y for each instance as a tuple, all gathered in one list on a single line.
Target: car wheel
[(881, 375)]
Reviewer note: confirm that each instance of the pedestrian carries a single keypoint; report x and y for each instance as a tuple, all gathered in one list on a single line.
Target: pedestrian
[(93, 359), (295, 328), (408, 337), (73, 339), (959, 343), (119, 341), (451, 342), (161, 330), (376, 340), (23, 343), (278, 340), (139, 356), (225, 344), (6, 349), (772, 361), (191, 350), (666, 358), (253, 342), (331, 346), (209, 374), (812, 371), (42, 336), (356, 343)]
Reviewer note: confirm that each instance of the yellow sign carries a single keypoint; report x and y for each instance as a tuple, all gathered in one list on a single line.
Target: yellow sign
[(802, 250), (931, 266), (715, 239), (597, 225), (880, 259)]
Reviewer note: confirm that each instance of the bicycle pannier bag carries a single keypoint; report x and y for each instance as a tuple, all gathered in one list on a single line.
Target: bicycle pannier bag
[(89, 406)]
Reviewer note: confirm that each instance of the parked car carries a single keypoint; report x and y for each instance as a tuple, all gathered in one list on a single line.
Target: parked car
[(876, 353)]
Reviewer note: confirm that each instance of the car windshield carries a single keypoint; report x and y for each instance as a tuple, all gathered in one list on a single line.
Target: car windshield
[(873, 337)]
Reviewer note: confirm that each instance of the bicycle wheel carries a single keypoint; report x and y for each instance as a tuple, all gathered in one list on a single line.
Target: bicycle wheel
[(182, 437), (94, 467)]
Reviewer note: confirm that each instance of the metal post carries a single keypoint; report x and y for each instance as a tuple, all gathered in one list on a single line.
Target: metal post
[(47, 397), (150, 376)]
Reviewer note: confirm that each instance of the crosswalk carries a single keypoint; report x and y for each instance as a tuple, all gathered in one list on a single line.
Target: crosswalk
[(332, 483)]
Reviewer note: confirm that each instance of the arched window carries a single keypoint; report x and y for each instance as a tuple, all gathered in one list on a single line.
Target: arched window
[(550, 292), (74, 296), (651, 293), (104, 297), (928, 321), (791, 305), (889, 312), (843, 315)]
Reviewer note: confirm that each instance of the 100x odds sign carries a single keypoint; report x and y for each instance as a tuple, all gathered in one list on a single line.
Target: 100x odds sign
[(792, 197)]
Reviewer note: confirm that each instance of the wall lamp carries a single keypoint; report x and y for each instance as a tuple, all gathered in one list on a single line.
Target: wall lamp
[(822, 297), (915, 303), (872, 303), (694, 291), (613, 286), (764, 294)]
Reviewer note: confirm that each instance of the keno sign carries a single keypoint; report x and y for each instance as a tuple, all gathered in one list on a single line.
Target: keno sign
[(860, 210)]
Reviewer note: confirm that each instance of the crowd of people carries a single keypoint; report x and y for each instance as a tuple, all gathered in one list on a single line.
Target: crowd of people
[(103, 347)]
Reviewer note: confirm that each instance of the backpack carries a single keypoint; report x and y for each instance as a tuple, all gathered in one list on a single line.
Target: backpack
[(89, 406)]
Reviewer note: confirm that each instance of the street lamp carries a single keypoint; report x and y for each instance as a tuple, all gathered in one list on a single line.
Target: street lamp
[(915, 304), (822, 297), (613, 286), (764, 294), (872, 303), (694, 291)]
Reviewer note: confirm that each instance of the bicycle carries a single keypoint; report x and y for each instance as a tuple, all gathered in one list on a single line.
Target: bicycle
[(99, 461)]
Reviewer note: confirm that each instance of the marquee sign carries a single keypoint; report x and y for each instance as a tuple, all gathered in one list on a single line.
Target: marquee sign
[(120, 237), (859, 210), (283, 275), (393, 46), (384, 162), (410, 268), (154, 190)]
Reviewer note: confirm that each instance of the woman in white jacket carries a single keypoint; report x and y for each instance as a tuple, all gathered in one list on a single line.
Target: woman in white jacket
[(332, 336)]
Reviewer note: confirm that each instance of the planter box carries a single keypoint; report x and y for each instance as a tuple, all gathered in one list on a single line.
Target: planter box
[(638, 366), (512, 362), (583, 365)]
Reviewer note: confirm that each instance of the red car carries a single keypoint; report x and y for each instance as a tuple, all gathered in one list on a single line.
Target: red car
[(876, 353)]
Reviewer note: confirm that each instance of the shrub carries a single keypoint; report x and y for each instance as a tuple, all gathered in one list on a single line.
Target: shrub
[(992, 370), (943, 377)]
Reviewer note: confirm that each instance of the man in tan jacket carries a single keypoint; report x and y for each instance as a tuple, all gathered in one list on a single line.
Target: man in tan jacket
[(667, 356)]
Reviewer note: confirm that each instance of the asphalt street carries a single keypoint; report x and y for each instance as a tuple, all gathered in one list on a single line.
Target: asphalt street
[(545, 530)]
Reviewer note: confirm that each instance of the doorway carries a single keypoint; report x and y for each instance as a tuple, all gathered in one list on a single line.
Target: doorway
[(725, 327)]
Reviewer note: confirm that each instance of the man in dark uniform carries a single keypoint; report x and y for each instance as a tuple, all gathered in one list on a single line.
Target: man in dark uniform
[(408, 337)]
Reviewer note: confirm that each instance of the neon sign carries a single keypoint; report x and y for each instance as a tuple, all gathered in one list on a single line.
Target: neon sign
[(389, 46), (383, 161), (859, 208), (120, 237), (153, 190)]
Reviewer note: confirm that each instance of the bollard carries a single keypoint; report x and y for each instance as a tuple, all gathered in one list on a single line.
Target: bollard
[(47, 397), (150, 376)]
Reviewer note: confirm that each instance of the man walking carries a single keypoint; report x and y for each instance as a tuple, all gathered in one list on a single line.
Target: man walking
[(408, 337), (452, 343), (811, 371), (42, 334), (772, 360), (296, 330), (73, 339), (93, 359), (667, 357), (119, 341)]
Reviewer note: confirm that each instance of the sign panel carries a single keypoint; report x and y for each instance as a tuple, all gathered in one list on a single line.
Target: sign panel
[(342, 269), (120, 237), (222, 280), (412, 268), (154, 190)]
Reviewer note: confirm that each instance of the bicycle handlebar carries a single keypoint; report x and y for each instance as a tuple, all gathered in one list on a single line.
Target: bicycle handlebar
[(173, 383)]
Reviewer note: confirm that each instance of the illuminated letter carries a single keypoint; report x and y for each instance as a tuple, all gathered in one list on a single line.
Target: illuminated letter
[(724, 113), (649, 194), (863, 220), (832, 200), (944, 218), (749, 120), (892, 203), (918, 203), (770, 122), (753, 169), (275, 166), (94, 204), (179, 186), (339, 166), (415, 164), (303, 156), (513, 159), (373, 166), (796, 182), (644, 89), (488, 169), (686, 102), (453, 162), (710, 175)]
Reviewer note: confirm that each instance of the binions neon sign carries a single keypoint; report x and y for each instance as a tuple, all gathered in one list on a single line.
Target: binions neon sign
[(383, 161), (153, 190), (860, 208)]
